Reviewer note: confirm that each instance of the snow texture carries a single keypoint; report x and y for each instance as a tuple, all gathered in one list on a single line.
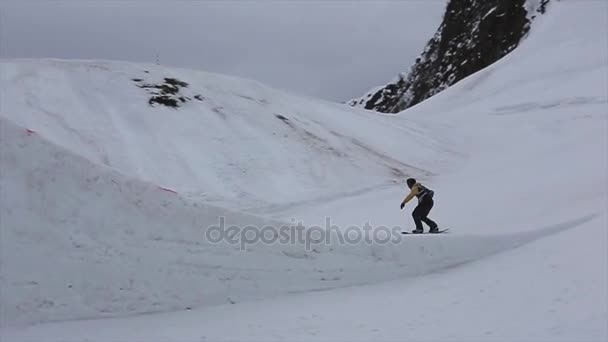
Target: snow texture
[(105, 201)]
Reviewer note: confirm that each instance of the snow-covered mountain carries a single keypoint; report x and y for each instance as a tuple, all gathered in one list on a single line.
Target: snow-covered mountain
[(473, 35), (107, 197)]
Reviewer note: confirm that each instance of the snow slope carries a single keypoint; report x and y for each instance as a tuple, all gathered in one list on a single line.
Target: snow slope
[(232, 147), (531, 129), (80, 240), (515, 152), (558, 298)]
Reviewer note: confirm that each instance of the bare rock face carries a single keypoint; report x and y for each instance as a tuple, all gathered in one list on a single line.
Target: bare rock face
[(473, 35)]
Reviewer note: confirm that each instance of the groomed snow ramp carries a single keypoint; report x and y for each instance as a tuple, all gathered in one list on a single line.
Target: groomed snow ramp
[(80, 240)]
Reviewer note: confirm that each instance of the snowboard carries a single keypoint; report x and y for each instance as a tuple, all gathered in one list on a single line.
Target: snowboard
[(425, 233)]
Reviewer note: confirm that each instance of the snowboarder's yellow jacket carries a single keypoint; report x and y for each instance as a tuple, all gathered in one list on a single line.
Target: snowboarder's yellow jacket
[(413, 192)]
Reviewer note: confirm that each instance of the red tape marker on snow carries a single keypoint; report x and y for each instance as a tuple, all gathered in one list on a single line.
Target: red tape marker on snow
[(167, 189), (29, 131)]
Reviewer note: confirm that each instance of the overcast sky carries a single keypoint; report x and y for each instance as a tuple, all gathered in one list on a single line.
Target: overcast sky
[(335, 50)]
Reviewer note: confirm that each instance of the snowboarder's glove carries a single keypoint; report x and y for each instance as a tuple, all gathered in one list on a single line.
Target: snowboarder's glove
[(402, 205)]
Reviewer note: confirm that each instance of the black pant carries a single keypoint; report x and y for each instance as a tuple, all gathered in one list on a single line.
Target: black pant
[(421, 213)]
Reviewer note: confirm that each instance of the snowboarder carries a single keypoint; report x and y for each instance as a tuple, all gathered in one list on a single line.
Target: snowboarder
[(425, 204)]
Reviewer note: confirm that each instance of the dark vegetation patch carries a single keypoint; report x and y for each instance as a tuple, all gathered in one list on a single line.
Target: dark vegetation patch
[(281, 117), (167, 93), (285, 120)]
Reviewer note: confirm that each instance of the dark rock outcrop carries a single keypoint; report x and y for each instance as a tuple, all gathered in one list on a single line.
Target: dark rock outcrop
[(473, 35), (168, 93)]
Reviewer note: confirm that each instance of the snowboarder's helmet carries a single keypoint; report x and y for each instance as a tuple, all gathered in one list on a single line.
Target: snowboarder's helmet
[(411, 182)]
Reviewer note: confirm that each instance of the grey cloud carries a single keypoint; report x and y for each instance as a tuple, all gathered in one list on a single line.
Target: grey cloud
[(330, 49)]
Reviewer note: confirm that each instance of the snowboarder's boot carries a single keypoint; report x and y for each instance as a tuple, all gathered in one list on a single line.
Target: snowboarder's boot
[(434, 230), (417, 231)]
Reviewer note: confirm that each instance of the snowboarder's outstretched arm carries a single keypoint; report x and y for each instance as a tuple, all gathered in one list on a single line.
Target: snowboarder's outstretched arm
[(411, 195)]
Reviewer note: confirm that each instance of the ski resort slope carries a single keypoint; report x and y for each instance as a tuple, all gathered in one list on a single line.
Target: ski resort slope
[(80, 240), (546, 291), (517, 154), (530, 128), (242, 145)]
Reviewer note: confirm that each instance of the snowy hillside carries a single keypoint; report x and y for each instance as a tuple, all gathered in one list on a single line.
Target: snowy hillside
[(234, 141), (90, 184), (106, 202), (80, 240)]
